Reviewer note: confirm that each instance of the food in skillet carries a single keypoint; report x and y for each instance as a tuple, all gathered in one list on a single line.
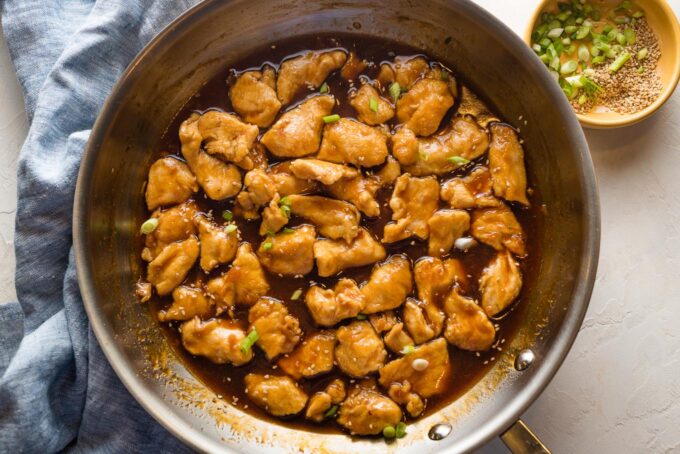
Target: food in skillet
[(338, 245)]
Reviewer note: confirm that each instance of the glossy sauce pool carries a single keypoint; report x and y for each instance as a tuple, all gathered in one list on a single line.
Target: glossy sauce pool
[(226, 380)]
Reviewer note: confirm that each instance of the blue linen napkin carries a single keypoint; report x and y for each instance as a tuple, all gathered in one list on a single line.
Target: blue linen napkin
[(57, 391)]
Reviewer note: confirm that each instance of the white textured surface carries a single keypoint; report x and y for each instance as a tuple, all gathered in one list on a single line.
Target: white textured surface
[(619, 389)]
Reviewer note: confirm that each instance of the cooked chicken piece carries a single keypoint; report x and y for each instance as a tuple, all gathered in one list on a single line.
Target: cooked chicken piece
[(273, 218), (348, 141), (463, 138), (334, 218), (218, 179), (278, 331), (279, 395), (498, 228), (353, 67), (328, 307), (446, 226), (405, 71), (225, 135), (290, 252), (243, 284), (472, 191), (371, 108), (383, 321), (506, 163), (143, 291), (218, 245), (298, 132), (470, 104), (360, 191), (259, 190), (258, 154), (187, 303), (500, 283), (170, 183), (401, 394), (367, 412), (360, 350), (413, 202), (405, 146), (322, 401), (308, 70), (435, 278), (253, 96), (423, 107), (467, 326), (388, 286), (174, 224), (397, 338), (218, 340), (171, 266), (286, 183), (312, 357), (419, 327), (321, 171), (333, 256), (431, 380), (389, 173)]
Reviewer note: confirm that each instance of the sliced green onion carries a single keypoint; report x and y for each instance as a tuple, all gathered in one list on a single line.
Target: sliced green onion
[(569, 29), (284, 201), (638, 14), (642, 53), (296, 294), (230, 228), (568, 67), (537, 48), (545, 42), (566, 41), (389, 432), (611, 36), (408, 350), (288, 230), (594, 51), (331, 118), (582, 99), (555, 33), (598, 60), (544, 58), (625, 4), (607, 28), (641, 70), (373, 104), (458, 160), (323, 88), (395, 91), (149, 226), (569, 50), (248, 341), (583, 53), (622, 19), (400, 430), (619, 62), (267, 245), (629, 33), (621, 38), (285, 210), (582, 32), (227, 215), (331, 412), (361, 317)]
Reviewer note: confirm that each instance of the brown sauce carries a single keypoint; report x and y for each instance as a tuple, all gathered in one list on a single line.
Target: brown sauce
[(226, 380)]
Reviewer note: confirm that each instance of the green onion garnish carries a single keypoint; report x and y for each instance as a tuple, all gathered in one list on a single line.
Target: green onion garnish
[(641, 70), (331, 412), (227, 215), (389, 432), (285, 210), (149, 226), (408, 350), (458, 160), (638, 14), (583, 53), (568, 67), (642, 54), (373, 104), (248, 341), (582, 32), (288, 230), (400, 430), (619, 62), (284, 201), (331, 118), (555, 33), (230, 228), (630, 35), (582, 99), (296, 294), (395, 91), (323, 88), (267, 245)]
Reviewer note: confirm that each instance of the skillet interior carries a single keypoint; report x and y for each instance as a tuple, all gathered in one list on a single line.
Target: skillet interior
[(190, 52)]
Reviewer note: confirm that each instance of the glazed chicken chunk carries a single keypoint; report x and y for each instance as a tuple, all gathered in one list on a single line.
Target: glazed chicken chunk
[(506, 163), (334, 218), (422, 108), (348, 141), (187, 303), (278, 331), (435, 277), (431, 380), (423, 320), (330, 306), (388, 173), (218, 179), (360, 350), (259, 190), (308, 70), (367, 412), (286, 183), (172, 265), (498, 228), (298, 132), (446, 226), (322, 401), (218, 245), (397, 338), (467, 326), (278, 395), (289, 253), (170, 183), (472, 191), (218, 340), (383, 321), (405, 71), (401, 394), (322, 171), (353, 67), (273, 217), (360, 191), (225, 135), (413, 202), (500, 283), (371, 108), (253, 96), (333, 256), (313, 356), (174, 224), (388, 286)]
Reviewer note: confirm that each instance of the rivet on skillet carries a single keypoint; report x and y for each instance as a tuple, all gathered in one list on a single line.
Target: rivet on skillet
[(524, 359), (439, 431)]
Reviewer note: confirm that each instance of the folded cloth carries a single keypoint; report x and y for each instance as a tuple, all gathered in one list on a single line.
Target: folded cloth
[(57, 391)]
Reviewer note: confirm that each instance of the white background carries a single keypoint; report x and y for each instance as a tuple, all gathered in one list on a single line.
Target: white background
[(619, 389)]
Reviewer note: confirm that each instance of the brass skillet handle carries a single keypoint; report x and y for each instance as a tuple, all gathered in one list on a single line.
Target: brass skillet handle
[(521, 440)]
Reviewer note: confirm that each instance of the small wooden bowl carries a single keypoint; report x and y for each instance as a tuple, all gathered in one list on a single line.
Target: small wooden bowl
[(662, 20)]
